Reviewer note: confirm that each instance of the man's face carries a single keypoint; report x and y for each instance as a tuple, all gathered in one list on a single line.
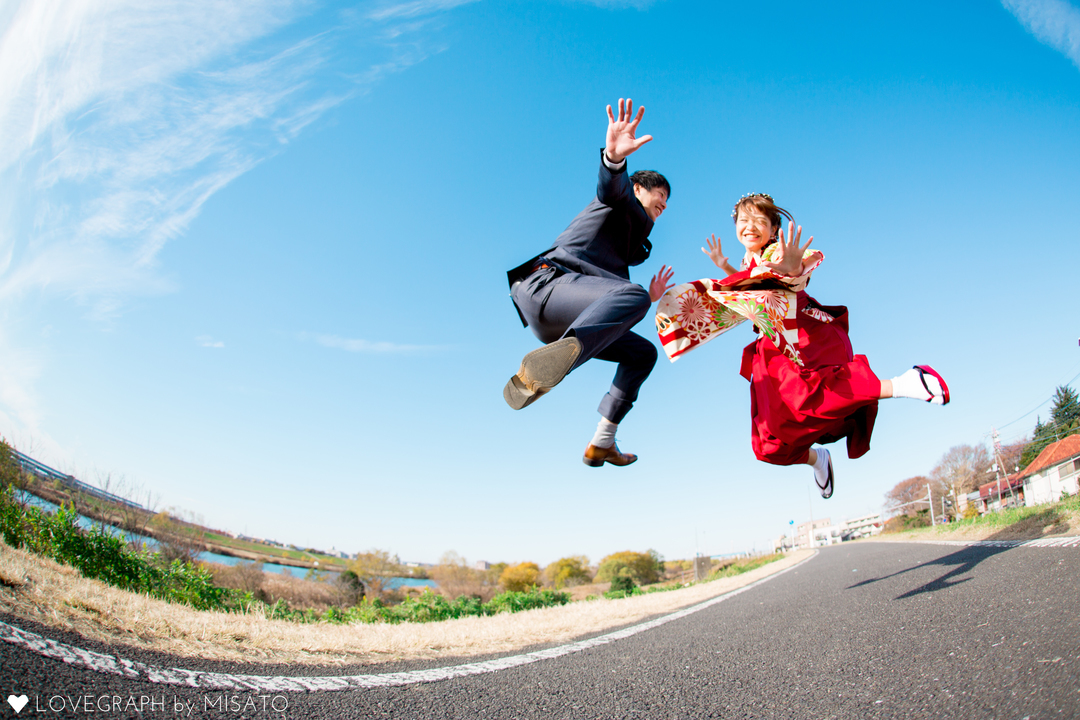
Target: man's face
[(654, 201)]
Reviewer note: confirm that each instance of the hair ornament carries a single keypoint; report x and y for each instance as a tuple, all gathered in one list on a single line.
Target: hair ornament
[(735, 210)]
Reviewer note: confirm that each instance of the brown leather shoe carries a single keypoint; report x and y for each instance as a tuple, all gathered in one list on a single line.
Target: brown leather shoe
[(597, 456)]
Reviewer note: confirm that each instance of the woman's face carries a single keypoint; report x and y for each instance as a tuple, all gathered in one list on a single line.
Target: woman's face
[(753, 228)]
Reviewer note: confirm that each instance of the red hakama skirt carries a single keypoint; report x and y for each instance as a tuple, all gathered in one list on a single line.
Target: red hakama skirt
[(832, 396)]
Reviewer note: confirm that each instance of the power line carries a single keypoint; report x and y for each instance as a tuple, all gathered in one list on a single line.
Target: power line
[(1070, 382)]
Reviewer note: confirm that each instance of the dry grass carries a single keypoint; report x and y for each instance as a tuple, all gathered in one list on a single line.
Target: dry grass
[(299, 593), (58, 596), (1046, 521)]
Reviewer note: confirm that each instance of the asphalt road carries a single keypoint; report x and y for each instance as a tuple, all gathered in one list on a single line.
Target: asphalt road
[(866, 630)]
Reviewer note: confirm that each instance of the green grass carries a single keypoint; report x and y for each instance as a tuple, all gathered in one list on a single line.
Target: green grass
[(102, 556), (271, 550), (737, 568), (743, 566)]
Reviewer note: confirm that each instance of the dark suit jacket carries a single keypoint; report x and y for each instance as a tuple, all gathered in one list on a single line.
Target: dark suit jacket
[(605, 239)]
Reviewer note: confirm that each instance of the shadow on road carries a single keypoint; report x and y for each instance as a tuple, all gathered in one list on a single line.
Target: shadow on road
[(964, 560)]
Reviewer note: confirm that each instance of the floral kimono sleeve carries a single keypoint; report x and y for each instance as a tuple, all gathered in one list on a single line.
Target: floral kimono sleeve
[(758, 272), (691, 314)]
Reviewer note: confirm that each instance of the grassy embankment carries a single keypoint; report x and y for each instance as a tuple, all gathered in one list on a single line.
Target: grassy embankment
[(100, 555), (1023, 523), (177, 608), (172, 530)]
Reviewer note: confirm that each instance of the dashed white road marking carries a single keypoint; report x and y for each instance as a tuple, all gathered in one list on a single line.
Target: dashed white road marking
[(1041, 542), (114, 665)]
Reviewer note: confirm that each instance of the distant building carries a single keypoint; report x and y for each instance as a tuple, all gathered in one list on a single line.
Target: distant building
[(1053, 473), (861, 527), (824, 533), (482, 565), (1005, 491)]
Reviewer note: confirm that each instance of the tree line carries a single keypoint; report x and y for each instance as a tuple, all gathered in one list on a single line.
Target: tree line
[(963, 468), (455, 577)]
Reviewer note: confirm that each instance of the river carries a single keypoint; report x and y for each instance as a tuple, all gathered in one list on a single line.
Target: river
[(213, 557)]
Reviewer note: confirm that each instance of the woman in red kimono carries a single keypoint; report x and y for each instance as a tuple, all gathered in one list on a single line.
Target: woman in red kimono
[(806, 385)]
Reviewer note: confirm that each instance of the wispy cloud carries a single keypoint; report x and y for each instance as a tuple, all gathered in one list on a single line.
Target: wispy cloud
[(617, 4), (209, 342), (416, 8), (374, 347), (120, 119), (1054, 22)]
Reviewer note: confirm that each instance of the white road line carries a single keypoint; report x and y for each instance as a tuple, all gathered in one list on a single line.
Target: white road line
[(114, 665)]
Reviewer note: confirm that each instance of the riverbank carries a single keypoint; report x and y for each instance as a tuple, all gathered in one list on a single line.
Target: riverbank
[(58, 596), (170, 530), (44, 591)]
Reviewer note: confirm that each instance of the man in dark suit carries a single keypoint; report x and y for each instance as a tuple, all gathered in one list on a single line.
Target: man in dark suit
[(577, 296)]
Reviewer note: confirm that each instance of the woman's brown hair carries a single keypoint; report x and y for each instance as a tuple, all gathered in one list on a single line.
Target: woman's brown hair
[(763, 203)]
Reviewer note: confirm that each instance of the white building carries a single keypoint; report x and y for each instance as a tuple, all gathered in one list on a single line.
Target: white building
[(862, 527), (1053, 473)]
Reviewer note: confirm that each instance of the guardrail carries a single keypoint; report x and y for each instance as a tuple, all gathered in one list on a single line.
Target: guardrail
[(45, 472)]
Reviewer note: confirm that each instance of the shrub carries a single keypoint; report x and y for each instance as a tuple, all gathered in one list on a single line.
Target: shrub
[(97, 554), (512, 601), (568, 571), (520, 577), (622, 586), (644, 567)]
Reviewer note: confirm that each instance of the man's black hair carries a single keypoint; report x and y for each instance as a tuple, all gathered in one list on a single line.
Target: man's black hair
[(650, 179)]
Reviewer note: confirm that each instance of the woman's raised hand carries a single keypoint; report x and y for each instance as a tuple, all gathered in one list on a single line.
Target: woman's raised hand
[(659, 284), (622, 137), (717, 255), (791, 254)]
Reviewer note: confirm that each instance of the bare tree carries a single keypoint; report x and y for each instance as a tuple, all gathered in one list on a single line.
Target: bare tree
[(1010, 455), (373, 568), (136, 517), (962, 469), (179, 538), (906, 492), (456, 578)]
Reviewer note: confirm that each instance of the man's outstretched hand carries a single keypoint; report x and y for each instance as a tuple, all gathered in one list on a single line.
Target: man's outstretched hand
[(659, 284), (621, 133)]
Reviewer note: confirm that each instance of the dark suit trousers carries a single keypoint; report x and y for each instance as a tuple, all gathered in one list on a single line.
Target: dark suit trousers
[(599, 312)]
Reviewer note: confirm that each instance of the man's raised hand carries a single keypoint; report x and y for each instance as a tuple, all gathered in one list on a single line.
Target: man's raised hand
[(621, 133), (659, 284)]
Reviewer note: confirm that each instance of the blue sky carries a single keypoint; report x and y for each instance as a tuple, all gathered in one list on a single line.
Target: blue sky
[(253, 252)]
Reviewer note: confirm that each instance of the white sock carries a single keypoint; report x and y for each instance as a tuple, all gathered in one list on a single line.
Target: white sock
[(821, 465), (908, 385), (605, 433)]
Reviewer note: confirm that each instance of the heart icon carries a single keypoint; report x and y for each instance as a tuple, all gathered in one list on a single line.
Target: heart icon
[(17, 702)]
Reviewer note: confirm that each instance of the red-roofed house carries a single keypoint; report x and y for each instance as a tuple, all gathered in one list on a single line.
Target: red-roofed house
[(1007, 491), (1054, 472)]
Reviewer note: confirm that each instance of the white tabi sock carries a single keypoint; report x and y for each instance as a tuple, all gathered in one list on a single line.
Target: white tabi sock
[(908, 385), (605, 433)]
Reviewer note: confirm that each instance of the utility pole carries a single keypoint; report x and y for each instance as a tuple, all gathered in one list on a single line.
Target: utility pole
[(930, 502), (997, 457)]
